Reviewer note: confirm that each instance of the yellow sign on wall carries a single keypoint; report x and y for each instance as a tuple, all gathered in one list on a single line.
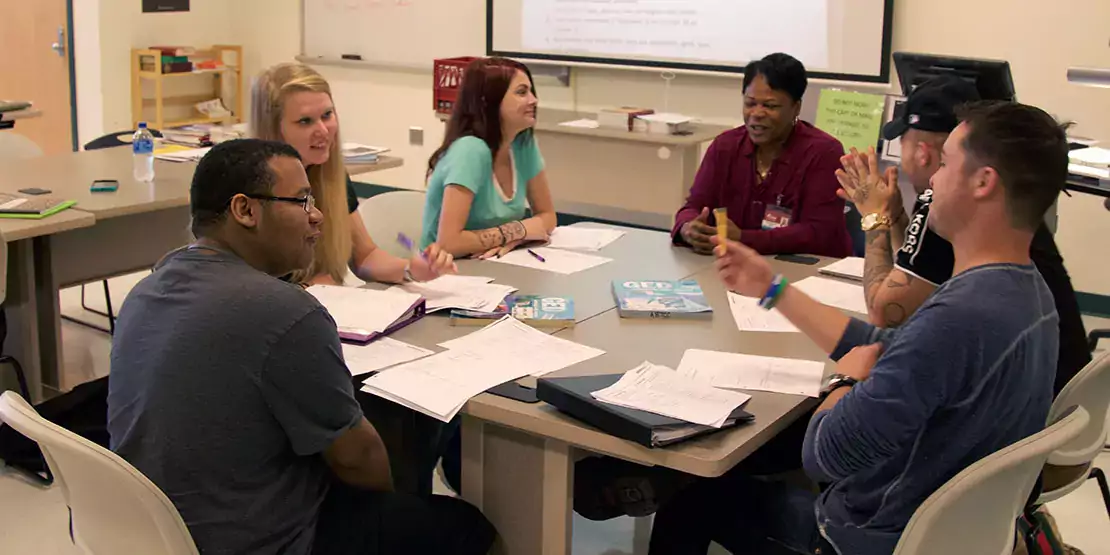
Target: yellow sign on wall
[(852, 117)]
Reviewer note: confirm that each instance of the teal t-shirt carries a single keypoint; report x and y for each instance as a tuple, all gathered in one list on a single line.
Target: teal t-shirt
[(469, 163)]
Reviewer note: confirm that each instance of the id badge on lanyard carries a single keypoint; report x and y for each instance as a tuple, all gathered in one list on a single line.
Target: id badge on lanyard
[(776, 215)]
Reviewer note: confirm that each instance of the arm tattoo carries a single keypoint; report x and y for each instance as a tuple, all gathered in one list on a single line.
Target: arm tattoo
[(490, 238), (878, 262), (894, 314)]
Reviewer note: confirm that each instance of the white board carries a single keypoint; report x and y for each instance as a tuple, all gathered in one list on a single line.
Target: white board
[(398, 33)]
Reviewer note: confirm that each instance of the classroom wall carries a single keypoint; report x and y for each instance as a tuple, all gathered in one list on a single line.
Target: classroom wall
[(115, 27)]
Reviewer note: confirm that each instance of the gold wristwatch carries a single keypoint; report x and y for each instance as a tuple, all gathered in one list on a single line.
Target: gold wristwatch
[(874, 220)]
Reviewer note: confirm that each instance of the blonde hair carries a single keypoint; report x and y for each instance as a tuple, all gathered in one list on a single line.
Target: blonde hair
[(329, 180)]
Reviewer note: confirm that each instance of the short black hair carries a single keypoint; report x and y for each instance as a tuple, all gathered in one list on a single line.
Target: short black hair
[(240, 166), (783, 72), (1026, 146)]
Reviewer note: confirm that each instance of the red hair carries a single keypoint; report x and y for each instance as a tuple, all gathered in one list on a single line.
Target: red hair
[(477, 110)]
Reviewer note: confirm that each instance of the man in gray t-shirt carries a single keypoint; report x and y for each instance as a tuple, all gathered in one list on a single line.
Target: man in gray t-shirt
[(228, 387)]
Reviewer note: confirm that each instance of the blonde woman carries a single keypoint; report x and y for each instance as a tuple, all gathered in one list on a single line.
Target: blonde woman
[(292, 103)]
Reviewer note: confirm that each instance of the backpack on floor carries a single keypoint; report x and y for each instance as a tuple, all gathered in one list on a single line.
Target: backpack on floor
[(83, 411)]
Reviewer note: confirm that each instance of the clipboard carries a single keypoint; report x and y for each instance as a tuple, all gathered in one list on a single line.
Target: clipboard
[(363, 337)]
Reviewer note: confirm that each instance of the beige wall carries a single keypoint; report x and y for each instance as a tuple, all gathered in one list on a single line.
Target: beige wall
[(119, 26), (378, 106)]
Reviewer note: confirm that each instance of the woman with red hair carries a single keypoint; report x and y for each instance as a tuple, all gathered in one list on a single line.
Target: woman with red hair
[(488, 166)]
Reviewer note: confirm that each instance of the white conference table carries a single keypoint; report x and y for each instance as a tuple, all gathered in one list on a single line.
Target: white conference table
[(518, 458)]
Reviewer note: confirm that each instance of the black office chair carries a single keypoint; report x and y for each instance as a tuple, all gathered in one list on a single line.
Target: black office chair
[(111, 140)]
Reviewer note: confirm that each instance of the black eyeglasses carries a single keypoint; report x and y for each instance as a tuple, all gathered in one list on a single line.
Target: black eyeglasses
[(308, 202)]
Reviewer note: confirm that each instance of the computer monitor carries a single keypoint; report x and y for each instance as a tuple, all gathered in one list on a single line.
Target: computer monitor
[(991, 77)]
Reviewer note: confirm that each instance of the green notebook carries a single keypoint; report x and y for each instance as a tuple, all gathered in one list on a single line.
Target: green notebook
[(31, 208)]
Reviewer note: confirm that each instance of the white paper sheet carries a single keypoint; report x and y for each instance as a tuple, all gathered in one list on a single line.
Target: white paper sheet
[(555, 260), (848, 296), (583, 238), (739, 371), (541, 353), (660, 390), (382, 353), (469, 292), (849, 268), (441, 384), (363, 310), (750, 317), (582, 123)]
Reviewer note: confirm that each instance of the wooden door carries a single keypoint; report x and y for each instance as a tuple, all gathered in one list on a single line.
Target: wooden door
[(30, 69)]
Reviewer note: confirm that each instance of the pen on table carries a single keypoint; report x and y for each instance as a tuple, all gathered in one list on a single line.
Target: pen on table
[(536, 255)]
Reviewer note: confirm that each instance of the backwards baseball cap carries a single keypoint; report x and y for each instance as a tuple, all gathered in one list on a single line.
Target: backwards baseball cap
[(931, 106)]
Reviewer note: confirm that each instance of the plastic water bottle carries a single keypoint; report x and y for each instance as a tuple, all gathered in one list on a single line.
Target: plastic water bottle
[(142, 151)]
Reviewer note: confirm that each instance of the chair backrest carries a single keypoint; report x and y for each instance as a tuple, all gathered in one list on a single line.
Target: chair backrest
[(1090, 389), (975, 511), (14, 146), (387, 214), (113, 507), (119, 138)]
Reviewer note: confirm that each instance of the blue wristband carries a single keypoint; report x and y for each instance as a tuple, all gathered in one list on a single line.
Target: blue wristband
[(776, 294), (772, 291)]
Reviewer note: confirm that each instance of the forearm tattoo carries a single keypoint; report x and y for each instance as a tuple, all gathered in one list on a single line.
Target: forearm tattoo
[(878, 261)]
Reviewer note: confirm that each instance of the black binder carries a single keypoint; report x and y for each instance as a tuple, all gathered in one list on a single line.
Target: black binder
[(573, 396)]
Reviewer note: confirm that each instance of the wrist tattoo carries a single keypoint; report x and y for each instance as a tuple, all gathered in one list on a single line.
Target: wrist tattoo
[(504, 240)]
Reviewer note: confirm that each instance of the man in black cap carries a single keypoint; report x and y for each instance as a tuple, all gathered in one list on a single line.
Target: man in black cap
[(897, 283)]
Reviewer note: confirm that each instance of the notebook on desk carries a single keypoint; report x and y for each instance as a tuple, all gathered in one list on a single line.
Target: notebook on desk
[(574, 397), (363, 315), (35, 207)]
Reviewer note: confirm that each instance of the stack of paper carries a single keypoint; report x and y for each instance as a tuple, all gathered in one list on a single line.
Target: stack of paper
[(847, 296), (660, 390), (583, 238), (440, 385), (737, 371), (749, 316), (848, 268), (354, 153), (510, 337), (582, 123), (1093, 157), (383, 353), (364, 311), (554, 260), (466, 292), (190, 155)]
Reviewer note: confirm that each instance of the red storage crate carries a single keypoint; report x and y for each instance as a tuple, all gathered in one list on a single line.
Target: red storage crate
[(448, 75)]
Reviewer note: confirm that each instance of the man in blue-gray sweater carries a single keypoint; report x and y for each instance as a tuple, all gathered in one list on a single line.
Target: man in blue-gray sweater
[(968, 374)]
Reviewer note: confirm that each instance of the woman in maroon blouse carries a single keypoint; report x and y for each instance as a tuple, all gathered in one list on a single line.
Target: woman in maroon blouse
[(776, 175)]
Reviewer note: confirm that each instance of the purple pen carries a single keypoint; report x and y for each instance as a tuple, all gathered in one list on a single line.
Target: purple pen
[(404, 241), (536, 255)]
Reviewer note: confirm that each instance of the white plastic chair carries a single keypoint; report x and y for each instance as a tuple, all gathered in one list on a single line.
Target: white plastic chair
[(1090, 389), (14, 146), (976, 511), (113, 507), (388, 214)]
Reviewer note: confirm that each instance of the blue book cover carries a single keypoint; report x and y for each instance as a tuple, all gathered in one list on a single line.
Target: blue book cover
[(660, 299)]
